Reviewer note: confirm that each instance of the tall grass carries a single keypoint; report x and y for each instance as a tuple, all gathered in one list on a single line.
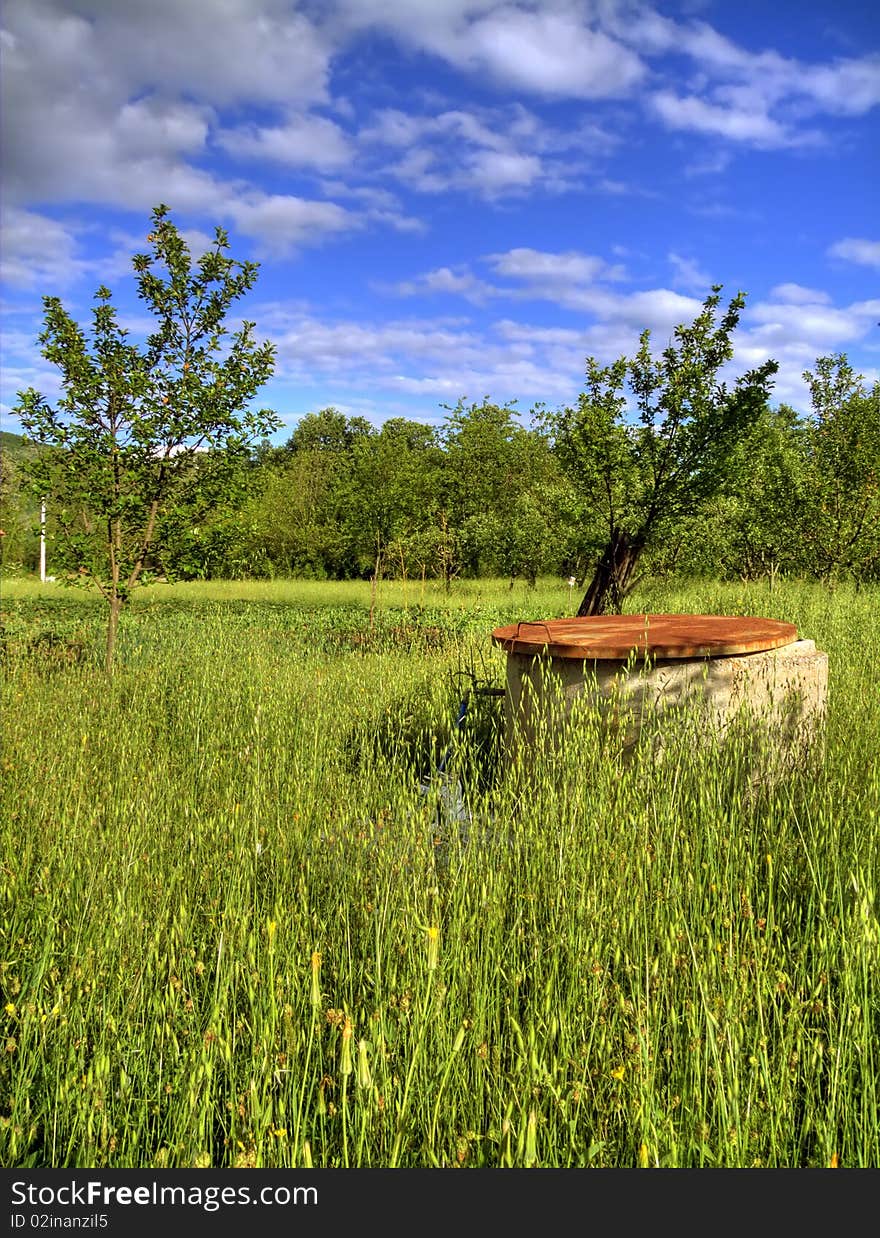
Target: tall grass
[(238, 930)]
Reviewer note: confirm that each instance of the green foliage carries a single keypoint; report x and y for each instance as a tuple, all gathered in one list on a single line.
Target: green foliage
[(393, 496), (294, 519), (154, 465), (840, 492), (749, 529), (642, 475), (122, 456), (19, 507), (629, 965), (304, 520), (328, 430), (803, 493), (504, 491)]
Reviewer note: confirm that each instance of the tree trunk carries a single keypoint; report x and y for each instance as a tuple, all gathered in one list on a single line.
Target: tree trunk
[(613, 573), (112, 629)]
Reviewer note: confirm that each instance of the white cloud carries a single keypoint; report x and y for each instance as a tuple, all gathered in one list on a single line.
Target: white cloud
[(46, 254), (446, 281), (306, 141), (490, 153), (657, 309), (124, 104), (443, 357), (538, 266), (575, 281), (538, 362), (508, 360), (309, 346), (846, 87), (153, 128), (157, 76), (231, 51), (822, 325), (688, 274), (795, 332), (499, 172), (102, 104), (90, 89), (550, 53), (758, 98), (582, 283), (736, 124), (857, 249), (283, 222), (579, 282), (525, 332), (37, 252), (23, 367), (549, 50), (375, 204), (197, 241), (711, 164), (796, 294)]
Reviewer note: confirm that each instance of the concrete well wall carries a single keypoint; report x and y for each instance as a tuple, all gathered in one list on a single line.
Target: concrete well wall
[(781, 692)]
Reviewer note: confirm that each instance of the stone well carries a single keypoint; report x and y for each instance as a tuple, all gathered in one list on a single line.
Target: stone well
[(645, 676)]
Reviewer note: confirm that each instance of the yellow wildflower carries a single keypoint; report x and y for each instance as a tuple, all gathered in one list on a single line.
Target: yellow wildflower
[(345, 1062), (433, 946), (316, 984)]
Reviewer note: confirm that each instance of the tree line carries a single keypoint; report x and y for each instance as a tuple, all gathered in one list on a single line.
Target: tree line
[(154, 463), (484, 494)]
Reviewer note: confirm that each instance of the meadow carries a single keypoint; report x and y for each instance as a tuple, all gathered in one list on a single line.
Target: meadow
[(246, 923)]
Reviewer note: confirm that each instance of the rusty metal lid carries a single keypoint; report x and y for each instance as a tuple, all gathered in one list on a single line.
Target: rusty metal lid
[(616, 637)]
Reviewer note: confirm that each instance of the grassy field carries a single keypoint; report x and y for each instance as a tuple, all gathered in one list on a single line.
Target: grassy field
[(243, 926)]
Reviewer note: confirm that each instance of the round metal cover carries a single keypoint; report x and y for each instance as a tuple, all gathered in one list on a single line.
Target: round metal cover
[(616, 637)]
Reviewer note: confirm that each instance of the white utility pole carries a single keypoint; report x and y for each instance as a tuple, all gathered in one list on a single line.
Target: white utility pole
[(43, 541)]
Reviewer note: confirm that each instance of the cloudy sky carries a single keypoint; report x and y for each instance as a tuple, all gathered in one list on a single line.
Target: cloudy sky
[(452, 198)]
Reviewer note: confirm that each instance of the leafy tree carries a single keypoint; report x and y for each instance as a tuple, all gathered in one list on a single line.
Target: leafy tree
[(292, 522), (763, 495), (488, 459), (840, 497), (19, 510), (478, 442), (126, 438), (210, 537), (749, 528), (300, 521), (641, 476), (394, 496), (521, 534), (328, 430), (322, 453)]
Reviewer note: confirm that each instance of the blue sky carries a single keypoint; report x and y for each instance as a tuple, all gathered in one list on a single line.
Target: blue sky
[(452, 198)]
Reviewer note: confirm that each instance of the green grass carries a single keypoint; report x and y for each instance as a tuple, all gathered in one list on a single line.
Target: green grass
[(237, 932)]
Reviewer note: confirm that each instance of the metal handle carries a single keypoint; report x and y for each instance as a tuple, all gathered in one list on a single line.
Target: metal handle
[(533, 623)]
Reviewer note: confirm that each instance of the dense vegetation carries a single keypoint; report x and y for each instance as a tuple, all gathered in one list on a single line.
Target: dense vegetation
[(243, 925), (264, 904), (149, 461), (486, 494)]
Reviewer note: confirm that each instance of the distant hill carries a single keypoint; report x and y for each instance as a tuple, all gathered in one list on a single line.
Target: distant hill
[(14, 445)]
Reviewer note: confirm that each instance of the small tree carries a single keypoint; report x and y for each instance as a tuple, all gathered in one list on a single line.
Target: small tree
[(140, 432), (641, 475), (840, 500)]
